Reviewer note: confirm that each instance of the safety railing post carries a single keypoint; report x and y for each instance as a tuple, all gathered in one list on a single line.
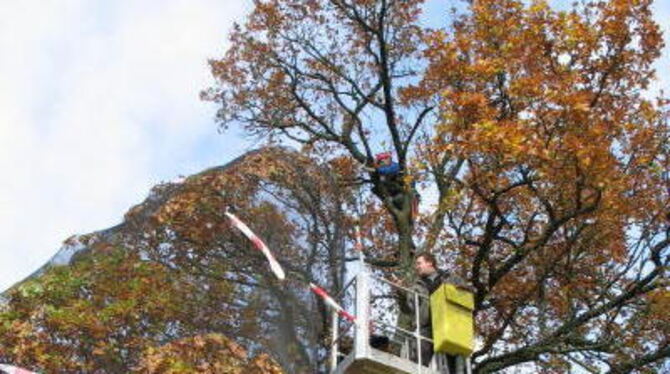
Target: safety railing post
[(361, 344), (334, 346), (417, 330)]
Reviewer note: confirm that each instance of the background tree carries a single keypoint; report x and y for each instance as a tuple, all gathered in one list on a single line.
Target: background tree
[(168, 289), (531, 126), (210, 353), (298, 208), (107, 313)]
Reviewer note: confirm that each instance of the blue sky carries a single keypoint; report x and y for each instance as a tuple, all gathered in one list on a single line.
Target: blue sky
[(99, 102)]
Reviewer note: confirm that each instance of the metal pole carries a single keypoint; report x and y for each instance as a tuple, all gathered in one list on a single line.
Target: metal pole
[(361, 344), (417, 333), (334, 346)]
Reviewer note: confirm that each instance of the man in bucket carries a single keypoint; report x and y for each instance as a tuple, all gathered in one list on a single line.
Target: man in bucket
[(429, 279)]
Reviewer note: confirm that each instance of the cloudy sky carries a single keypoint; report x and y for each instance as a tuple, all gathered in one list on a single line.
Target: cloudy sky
[(99, 102)]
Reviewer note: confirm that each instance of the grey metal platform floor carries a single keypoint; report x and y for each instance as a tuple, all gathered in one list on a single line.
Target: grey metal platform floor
[(379, 362)]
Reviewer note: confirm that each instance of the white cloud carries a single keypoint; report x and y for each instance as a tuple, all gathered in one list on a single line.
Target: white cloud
[(99, 101)]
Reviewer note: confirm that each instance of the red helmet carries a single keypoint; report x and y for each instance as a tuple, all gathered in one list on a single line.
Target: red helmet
[(382, 156)]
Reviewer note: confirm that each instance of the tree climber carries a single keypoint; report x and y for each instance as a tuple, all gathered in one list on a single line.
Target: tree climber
[(386, 167), (388, 180)]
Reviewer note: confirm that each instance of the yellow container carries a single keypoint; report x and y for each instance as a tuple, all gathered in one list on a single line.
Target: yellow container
[(453, 326)]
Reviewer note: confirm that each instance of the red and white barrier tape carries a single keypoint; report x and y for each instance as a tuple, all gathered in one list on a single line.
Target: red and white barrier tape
[(279, 272), (332, 303), (259, 244), (9, 369)]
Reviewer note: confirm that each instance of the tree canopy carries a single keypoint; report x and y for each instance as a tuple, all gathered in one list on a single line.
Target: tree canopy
[(530, 131), (540, 156), (176, 289), (112, 312)]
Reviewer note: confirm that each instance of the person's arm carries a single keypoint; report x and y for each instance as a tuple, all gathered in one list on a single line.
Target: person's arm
[(406, 298), (424, 312), (403, 297)]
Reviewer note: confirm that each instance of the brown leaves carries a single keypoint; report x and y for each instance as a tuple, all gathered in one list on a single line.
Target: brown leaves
[(543, 105), (211, 353), (295, 204), (547, 168), (97, 314)]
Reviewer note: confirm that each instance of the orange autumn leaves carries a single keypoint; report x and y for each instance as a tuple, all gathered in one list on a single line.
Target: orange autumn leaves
[(547, 164), (551, 102), (526, 85), (112, 312), (527, 124), (211, 353)]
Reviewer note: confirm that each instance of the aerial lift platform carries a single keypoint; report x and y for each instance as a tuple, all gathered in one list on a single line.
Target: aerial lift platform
[(376, 312)]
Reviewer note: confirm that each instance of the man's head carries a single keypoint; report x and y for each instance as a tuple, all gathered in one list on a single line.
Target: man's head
[(425, 264), (383, 158)]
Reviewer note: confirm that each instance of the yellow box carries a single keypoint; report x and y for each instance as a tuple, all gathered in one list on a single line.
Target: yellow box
[(453, 326)]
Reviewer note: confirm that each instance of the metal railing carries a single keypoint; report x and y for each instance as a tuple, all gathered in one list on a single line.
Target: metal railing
[(391, 294), (375, 303)]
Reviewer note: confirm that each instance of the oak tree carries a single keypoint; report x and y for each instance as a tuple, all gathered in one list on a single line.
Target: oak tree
[(532, 129)]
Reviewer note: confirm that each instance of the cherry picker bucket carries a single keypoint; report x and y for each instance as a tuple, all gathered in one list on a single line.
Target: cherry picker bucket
[(452, 318)]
